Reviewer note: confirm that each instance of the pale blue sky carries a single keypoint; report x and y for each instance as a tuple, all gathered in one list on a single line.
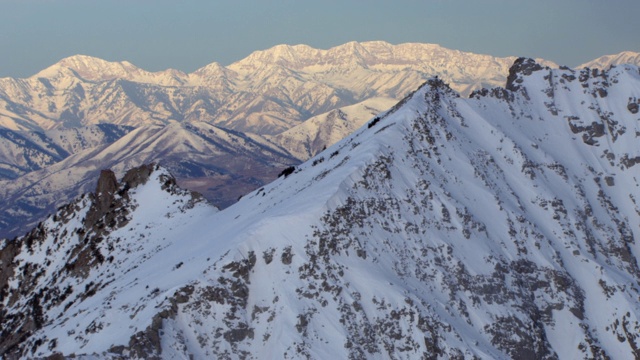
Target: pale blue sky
[(188, 34)]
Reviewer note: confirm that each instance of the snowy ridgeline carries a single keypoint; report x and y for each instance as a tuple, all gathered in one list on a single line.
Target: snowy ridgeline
[(499, 226), (266, 93), (219, 163), (284, 104)]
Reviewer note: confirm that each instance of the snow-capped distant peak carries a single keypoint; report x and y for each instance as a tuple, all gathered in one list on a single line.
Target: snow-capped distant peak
[(90, 68), (605, 62), (93, 69)]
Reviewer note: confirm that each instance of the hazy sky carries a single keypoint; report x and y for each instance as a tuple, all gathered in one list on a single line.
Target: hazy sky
[(188, 34)]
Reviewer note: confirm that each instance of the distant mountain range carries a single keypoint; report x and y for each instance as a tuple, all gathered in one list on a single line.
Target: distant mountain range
[(287, 103), (605, 62), (504, 225), (266, 93), (22, 152)]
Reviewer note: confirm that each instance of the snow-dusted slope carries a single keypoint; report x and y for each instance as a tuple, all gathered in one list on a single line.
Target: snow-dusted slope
[(23, 152), (604, 62), (500, 226), (268, 92), (321, 131), (221, 164)]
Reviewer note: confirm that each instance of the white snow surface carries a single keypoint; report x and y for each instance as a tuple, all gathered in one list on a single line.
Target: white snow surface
[(500, 226), (606, 61)]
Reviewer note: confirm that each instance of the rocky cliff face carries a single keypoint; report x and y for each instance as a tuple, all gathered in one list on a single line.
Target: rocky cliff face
[(482, 227)]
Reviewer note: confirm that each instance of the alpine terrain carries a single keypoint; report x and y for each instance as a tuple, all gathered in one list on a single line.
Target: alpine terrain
[(266, 93), (604, 62), (503, 225), (222, 164), (288, 103), (22, 152)]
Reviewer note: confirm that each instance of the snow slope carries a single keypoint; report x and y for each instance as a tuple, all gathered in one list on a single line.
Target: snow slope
[(23, 152), (499, 226), (319, 132), (606, 61)]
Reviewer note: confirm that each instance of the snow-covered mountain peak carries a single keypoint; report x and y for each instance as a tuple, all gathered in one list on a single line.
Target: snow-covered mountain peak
[(214, 75), (533, 183), (213, 68), (266, 93), (452, 227), (605, 62), (91, 68), (293, 57), (353, 48), (349, 54), (76, 249), (281, 53)]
